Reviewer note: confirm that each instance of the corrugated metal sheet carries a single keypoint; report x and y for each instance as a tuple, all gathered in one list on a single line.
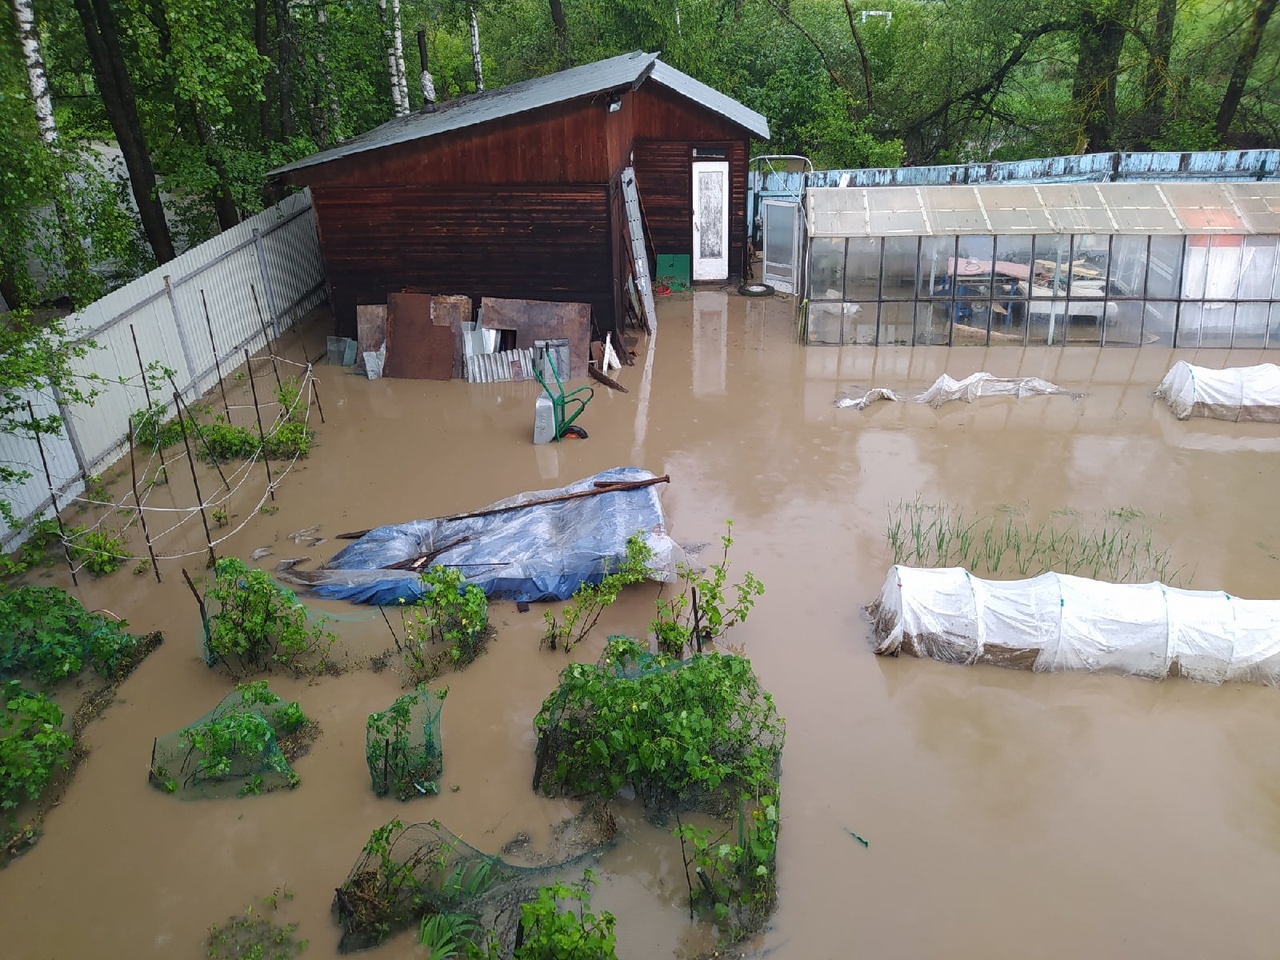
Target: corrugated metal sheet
[(494, 104), (1061, 208), (500, 367), (710, 98)]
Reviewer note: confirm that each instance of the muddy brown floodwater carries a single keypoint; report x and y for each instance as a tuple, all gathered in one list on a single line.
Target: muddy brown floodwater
[(1008, 813)]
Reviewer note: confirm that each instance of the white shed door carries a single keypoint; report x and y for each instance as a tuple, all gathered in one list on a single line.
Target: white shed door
[(711, 220)]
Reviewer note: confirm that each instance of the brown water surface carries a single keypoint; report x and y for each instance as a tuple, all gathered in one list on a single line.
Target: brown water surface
[(1009, 814)]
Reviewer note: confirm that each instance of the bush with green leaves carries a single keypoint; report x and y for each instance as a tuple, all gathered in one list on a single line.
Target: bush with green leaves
[(99, 551), (33, 747), (702, 611), (582, 612), (253, 624), (47, 633), (255, 937), (553, 933), (234, 748), (449, 624), (403, 748)]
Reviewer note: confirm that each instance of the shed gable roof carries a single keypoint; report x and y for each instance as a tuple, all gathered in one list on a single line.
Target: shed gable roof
[(629, 69)]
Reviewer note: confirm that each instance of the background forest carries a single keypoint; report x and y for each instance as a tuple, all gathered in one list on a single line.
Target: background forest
[(203, 97)]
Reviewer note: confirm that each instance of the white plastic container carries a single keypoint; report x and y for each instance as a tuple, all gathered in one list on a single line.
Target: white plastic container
[(544, 419)]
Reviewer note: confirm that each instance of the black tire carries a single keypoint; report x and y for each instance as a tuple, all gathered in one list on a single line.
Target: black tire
[(753, 288), (574, 432)]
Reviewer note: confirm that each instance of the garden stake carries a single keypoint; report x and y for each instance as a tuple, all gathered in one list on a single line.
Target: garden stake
[(146, 388), (204, 518), (204, 617), (53, 497), (133, 469), (266, 337), (315, 392), (216, 364), (257, 412), (181, 405)]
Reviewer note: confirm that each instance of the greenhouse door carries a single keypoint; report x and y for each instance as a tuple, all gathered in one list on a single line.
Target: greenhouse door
[(781, 245), (711, 220)]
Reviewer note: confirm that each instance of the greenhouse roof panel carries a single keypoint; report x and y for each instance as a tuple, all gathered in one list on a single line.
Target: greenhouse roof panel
[(1183, 208)]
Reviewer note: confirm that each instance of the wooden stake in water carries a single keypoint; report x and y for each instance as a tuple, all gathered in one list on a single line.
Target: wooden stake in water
[(266, 336), (181, 406), (262, 437), (146, 388), (217, 365), (315, 392), (142, 514), (195, 481), (53, 497)]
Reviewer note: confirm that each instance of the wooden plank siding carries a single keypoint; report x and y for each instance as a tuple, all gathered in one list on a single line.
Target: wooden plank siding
[(526, 241)]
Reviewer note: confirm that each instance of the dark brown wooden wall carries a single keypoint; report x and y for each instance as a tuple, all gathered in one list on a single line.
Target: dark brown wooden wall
[(664, 176), (528, 241), (563, 143)]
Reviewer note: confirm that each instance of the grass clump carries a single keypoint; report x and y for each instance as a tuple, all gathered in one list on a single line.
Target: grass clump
[(1118, 547), (255, 937)]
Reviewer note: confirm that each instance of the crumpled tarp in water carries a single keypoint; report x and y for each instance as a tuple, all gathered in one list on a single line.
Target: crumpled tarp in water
[(969, 389), (542, 552)]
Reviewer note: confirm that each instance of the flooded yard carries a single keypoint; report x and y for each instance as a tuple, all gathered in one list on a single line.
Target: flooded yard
[(1016, 814)]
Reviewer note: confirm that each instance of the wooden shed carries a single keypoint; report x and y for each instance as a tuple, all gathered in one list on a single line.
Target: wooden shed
[(517, 192)]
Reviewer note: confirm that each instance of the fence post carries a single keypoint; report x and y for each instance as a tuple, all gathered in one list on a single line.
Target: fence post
[(68, 427), (192, 371), (267, 289)]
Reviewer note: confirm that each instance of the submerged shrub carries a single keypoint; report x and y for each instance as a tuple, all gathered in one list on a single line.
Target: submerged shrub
[(46, 632)]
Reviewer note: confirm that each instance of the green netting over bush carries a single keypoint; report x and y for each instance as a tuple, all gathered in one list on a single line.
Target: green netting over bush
[(406, 874), (233, 750), (47, 633), (403, 746)]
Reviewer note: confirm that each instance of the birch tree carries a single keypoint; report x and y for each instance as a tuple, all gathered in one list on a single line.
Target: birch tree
[(395, 56), (36, 77), (475, 51)]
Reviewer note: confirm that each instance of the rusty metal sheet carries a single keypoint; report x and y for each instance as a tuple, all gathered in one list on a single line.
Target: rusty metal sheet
[(453, 311), (371, 327), (542, 320), (417, 348)]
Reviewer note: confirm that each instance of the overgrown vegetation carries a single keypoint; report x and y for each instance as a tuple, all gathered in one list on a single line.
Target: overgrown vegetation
[(450, 624), (255, 624), (237, 745), (254, 936), (403, 748), (47, 633), (702, 612), (698, 734), (1118, 547), (582, 612), (33, 747), (553, 933)]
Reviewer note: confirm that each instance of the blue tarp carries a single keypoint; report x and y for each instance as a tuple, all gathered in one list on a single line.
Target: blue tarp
[(541, 552)]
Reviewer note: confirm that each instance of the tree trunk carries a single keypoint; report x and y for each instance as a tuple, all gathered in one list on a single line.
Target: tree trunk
[(475, 51), (1244, 64), (1155, 83), (102, 38), (263, 46), (325, 113), (561, 24), (402, 76), (36, 77), (393, 73), (284, 68), (1100, 38), (424, 77)]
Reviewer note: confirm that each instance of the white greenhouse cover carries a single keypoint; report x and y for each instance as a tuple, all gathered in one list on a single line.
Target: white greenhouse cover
[(1060, 622), (1236, 393), (969, 389)]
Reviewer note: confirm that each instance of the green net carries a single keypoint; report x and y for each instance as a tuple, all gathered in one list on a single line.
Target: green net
[(403, 747), (408, 873), (233, 750)]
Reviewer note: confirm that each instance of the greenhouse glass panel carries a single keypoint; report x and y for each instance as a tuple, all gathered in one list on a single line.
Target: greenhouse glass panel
[(901, 254), (1124, 324), (826, 269), (1158, 319), (860, 323), (1251, 325), (825, 322), (1211, 268), (936, 254), (1258, 277), (933, 322), (1273, 328), (1128, 265), (1164, 268), (1206, 324), (896, 322), (862, 269)]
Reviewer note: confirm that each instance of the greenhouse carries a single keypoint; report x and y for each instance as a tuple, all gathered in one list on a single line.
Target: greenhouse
[(1109, 264)]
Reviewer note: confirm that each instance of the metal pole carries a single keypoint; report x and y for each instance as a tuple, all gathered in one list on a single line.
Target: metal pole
[(182, 332), (262, 438), (203, 439), (146, 388), (213, 559), (142, 515), (271, 350), (272, 311), (216, 364), (53, 497)]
